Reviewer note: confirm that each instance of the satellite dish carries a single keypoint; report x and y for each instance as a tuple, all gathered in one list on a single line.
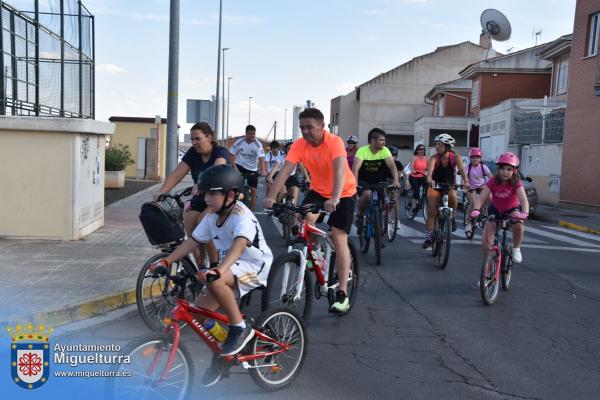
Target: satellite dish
[(496, 24)]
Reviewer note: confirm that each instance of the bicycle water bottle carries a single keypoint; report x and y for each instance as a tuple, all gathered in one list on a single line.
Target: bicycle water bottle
[(215, 329)]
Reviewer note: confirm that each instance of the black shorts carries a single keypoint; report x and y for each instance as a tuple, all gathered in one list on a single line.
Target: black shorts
[(292, 180), (364, 185), (198, 203), (250, 176), (501, 215), (343, 215)]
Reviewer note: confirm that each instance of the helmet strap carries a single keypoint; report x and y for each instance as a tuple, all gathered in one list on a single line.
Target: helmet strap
[(225, 207)]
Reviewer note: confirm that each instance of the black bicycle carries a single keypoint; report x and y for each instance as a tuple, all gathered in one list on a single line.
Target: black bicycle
[(370, 225), (410, 211), (246, 186), (442, 232)]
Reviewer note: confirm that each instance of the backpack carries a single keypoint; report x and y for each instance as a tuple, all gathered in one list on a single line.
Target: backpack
[(159, 225), (451, 160), (482, 170)]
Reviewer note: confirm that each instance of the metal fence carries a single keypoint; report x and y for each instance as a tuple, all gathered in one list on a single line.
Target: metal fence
[(47, 59)]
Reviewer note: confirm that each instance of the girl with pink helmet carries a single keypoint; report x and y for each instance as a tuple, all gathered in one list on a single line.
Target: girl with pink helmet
[(508, 199), (478, 173)]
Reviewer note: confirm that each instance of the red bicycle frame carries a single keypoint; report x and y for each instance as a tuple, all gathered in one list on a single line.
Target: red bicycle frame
[(181, 313)]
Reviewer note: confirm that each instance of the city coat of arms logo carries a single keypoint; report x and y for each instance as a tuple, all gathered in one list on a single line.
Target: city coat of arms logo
[(30, 355)]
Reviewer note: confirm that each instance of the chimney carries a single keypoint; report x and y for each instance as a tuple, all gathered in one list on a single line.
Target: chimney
[(485, 40)]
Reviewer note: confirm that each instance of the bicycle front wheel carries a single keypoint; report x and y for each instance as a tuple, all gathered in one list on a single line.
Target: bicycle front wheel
[(279, 370), (149, 358), (408, 208), (364, 239), (506, 271), (488, 284), (155, 297), (283, 285), (444, 238), (377, 234), (391, 221), (353, 279)]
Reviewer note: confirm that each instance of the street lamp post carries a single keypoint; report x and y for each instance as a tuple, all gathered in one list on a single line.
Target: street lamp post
[(228, 103), (223, 110), (249, 107), (284, 123)]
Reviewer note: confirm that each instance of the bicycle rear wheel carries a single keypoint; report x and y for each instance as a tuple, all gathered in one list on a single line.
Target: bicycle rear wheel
[(391, 221), (279, 370), (377, 234), (155, 298), (506, 271), (149, 356), (282, 286), (444, 238), (353, 278), (408, 208), (488, 284)]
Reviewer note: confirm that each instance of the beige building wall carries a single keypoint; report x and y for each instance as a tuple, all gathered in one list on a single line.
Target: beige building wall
[(397, 96), (127, 133), (52, 177)]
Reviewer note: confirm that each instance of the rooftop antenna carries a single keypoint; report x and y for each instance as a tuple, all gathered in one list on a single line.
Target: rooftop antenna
[(536, 35), (496, 25)]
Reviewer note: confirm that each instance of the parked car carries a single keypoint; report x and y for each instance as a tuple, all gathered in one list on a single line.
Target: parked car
[(526, 181)]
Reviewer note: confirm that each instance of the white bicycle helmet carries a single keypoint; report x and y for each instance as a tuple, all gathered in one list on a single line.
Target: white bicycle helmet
[(445, 138), (352, 139)]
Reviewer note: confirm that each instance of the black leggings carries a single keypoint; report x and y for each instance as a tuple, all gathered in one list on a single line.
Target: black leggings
[(416, 184)]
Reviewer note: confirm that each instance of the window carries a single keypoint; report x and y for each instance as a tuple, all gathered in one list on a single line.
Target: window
[(592, 48), (561, 78), (475, 95)]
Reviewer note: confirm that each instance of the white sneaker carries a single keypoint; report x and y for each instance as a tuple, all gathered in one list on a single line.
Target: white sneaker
[(516, 255), (468, 228)]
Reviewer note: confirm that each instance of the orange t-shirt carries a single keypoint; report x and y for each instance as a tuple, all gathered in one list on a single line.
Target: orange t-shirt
[(318, 161)]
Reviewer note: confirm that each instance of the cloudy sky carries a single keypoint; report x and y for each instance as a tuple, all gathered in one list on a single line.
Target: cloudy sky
[(284, 52)]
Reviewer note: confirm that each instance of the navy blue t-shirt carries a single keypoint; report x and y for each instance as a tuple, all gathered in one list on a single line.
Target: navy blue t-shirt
[(194, 160)]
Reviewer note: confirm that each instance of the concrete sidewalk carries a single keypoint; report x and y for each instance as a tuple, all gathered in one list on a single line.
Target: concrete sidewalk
[(576, 220), (56, 283)]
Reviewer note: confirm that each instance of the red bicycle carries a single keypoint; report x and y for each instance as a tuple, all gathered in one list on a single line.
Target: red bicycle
[(162, 366), (498, 265), (290, 282)]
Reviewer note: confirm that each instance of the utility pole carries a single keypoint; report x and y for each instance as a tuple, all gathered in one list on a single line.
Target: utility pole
[(284, 123), (218, 97), (172, 141), (228, 102), (275, 130), (249, 108)]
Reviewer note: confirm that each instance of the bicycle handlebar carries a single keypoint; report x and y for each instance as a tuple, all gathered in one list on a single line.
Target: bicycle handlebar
[(445, 186), (177, 196), (302, 210)]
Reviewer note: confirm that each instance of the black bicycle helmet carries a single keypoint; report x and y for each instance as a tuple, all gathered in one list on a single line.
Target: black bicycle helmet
[(393, 150), (222, 178)]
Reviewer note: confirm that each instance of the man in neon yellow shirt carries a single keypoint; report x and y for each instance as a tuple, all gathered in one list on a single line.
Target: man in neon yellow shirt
[(372, 164)]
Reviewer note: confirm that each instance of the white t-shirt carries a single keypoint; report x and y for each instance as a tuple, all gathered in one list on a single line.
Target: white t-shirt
[(272, 160), (247, 154), (241, 222)]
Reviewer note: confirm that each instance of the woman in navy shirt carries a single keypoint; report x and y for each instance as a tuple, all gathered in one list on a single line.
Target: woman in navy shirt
[(204, 153)]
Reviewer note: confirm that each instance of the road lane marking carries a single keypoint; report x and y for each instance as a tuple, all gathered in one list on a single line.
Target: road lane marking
[(532, 246), (562, 238), (574, 233)]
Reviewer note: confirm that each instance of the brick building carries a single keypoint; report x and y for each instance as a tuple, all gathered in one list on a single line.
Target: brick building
[(581, 154)]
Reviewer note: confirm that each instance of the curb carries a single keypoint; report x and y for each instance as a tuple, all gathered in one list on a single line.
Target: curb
[(579, 228), (567, 224), (77, 312)]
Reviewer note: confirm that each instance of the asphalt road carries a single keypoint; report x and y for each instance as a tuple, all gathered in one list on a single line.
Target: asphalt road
[(418, 332)]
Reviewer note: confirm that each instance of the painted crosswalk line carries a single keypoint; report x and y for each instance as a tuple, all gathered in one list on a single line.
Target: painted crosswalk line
[(524, 245), (589, 236)]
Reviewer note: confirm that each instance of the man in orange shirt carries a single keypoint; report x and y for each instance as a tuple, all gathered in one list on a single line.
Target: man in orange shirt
[(332, 186)]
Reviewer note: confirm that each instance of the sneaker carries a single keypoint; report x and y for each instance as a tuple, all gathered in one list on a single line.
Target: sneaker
[(427, 244), (342, 304), (516, 255), (237, 339), (453, 225), (214, 372), (468, 228)]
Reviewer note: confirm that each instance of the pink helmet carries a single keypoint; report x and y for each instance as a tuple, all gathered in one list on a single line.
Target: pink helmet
[(475, 152), (508, 158)]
